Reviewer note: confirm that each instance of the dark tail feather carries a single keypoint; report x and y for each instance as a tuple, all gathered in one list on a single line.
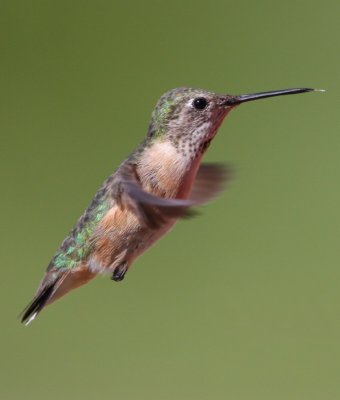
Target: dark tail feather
[(38, 303)]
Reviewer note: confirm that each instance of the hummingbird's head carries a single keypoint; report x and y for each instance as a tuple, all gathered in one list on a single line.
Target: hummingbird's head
[(189, 118)]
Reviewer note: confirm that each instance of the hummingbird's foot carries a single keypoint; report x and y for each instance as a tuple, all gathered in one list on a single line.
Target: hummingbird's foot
[(119, 272)]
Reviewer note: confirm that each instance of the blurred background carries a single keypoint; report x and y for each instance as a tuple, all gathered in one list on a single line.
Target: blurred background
[(240, 303)]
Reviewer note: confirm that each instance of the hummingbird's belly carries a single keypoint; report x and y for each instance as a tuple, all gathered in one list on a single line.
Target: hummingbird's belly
[(120, 238)]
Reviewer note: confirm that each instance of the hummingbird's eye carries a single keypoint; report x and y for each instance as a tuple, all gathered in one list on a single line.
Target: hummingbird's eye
[(200, 103)]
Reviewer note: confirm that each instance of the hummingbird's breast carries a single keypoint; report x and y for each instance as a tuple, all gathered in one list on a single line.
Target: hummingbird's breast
[(121, 236), (164, 171)]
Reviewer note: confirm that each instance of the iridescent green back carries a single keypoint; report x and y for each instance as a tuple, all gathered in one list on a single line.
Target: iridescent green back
[(77, 245)]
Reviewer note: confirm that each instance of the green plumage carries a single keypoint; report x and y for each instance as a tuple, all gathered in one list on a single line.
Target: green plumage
[(77, 245)]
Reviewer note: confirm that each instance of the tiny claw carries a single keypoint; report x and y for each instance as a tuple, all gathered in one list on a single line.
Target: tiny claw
[(119, 272)]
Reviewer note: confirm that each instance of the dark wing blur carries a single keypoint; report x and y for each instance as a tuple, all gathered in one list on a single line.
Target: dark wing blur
[(210, 181), (155, 211)]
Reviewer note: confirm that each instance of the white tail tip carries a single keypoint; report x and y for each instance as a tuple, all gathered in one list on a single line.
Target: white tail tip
[(30, 319)]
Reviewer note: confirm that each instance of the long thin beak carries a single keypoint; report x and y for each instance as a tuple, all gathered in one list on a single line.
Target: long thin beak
[(235, 100)]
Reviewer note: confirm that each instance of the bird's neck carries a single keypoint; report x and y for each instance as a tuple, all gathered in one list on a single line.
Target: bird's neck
[(165, 171)]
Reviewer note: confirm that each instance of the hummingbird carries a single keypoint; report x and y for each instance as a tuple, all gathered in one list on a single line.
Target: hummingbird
[(161, 182)]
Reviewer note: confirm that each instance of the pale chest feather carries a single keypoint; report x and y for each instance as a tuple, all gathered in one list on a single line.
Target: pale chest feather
[(164, 171)]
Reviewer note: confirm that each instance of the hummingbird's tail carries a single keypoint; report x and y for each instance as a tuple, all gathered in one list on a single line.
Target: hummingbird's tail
[(38, 303), (55, 285)]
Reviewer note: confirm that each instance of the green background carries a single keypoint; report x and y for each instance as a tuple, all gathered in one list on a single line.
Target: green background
[(240, 303)]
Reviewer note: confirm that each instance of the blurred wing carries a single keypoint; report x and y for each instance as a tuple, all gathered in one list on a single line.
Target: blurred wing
[(210, 181), (154, 211)]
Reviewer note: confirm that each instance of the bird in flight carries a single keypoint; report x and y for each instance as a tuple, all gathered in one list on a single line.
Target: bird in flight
[(162, 181)]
